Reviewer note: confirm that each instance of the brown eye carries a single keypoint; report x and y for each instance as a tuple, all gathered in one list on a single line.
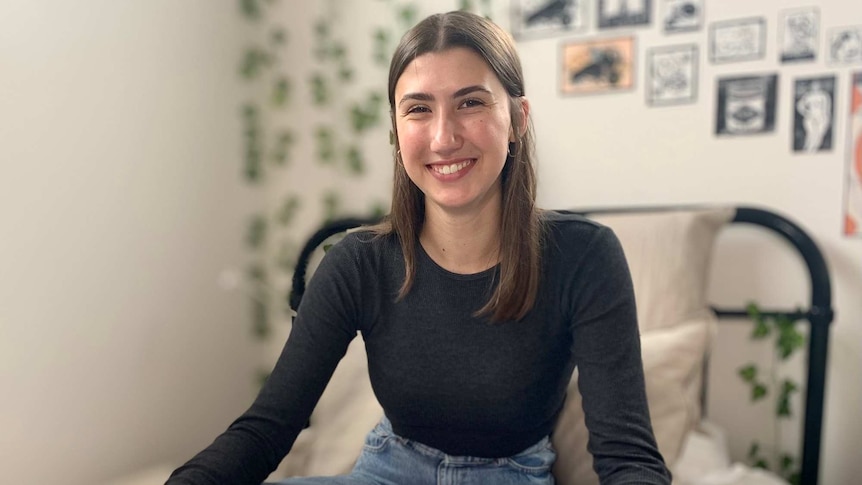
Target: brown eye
[(472, 103)]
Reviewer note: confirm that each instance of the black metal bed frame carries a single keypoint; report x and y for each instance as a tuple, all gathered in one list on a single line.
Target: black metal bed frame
[(819, 313)]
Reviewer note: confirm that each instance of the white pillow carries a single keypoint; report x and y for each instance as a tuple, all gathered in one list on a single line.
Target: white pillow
[(669, 254)]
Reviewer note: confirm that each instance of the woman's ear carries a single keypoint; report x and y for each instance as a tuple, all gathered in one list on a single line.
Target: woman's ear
[(522, 120), (525, 115)]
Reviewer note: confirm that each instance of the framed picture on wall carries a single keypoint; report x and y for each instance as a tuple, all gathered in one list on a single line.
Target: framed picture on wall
[(624, 13), (682, 15), (597, 66), (746, 105), (798, 34), (671, 75), (737, 40), (540, 18), (813, 114), (853, 171), (845, 45)]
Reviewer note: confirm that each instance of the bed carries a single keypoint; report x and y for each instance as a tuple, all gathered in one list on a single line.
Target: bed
[(669, 250)]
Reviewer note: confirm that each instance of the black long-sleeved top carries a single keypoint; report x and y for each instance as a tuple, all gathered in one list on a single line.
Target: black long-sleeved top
[(452, 381)]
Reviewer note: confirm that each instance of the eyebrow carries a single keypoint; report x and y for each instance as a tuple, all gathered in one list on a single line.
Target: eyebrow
[(428, 97)]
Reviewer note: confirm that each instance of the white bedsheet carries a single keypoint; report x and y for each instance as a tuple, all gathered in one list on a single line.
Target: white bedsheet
[(705, 460)]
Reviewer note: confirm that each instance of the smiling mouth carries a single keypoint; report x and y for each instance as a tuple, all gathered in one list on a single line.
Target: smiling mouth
[(451, 168)]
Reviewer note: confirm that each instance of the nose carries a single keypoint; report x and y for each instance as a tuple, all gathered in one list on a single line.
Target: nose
[(446, 137)]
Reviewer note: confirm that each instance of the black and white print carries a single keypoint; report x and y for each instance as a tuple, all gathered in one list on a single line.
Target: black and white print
[(624, 13), (672, 75), (541, 18), (814, 114), (845, 45), (798, 34), (682, 15), (746, 105), (738, 40)]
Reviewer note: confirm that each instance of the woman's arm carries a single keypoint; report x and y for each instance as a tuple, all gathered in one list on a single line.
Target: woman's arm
[(606, 342)]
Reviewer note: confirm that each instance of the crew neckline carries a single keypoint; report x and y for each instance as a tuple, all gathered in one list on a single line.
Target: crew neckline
[(450, 274)]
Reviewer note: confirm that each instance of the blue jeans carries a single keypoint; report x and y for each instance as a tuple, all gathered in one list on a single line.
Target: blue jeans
[(388, 459)]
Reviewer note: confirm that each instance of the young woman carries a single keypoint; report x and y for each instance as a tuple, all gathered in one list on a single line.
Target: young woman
[(474, 305)]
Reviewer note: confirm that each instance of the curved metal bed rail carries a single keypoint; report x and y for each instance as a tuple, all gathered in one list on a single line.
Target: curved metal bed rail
[(819, 313)]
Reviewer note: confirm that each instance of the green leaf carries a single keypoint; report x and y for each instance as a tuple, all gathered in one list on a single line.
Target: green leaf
[(753, 311), (407, 14), (321, 29), (253, 61), (278, 36), (759, 391), (345, 73), (788, 387), (284, 142), (250, 9), (319, 89), (337, 51), (748, 373), (761, 463), (753, 450), (786, 462), (288, 210), (325, 138), (795, 478), (259, 298), (256, 232), (761, 330), (355, 163), (789, 340), (281, 91)]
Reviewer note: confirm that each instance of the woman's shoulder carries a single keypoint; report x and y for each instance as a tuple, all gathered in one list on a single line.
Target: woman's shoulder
[(570, 225), (362, 243)]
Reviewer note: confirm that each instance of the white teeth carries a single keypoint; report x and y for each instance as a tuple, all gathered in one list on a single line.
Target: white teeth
[(449, 169)]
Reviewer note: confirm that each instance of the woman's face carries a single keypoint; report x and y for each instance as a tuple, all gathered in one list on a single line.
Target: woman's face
[(454, 127)]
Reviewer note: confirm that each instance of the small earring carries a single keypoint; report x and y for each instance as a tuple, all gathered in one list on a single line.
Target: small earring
[(509, 149)]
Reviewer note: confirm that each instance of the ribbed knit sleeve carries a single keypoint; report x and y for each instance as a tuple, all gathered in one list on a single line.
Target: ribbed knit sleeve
[(606, 342)]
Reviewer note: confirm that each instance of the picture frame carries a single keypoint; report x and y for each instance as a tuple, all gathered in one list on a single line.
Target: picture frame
[(853, 169), (798, 34), (623, 13), (746, 105), (845, 45), (682, 16), (813, 114), (672, 75), (737, 40), (596, 66), (544, 18)]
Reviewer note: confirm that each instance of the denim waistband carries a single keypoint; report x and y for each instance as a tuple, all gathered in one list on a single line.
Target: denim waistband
[(385, 428)]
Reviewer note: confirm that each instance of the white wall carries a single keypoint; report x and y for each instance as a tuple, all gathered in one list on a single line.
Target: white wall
[(120, 203), (611, 149)]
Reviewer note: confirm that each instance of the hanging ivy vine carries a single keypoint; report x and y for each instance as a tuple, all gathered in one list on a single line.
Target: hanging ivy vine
[(786, 341)]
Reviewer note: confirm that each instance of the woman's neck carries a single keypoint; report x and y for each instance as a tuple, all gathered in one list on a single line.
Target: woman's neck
[(462, 243)]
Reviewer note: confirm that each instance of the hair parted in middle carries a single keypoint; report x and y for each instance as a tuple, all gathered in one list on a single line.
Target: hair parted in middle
[(520, 225)]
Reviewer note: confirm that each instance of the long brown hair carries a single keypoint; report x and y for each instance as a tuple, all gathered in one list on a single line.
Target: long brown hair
[(520, 227)]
